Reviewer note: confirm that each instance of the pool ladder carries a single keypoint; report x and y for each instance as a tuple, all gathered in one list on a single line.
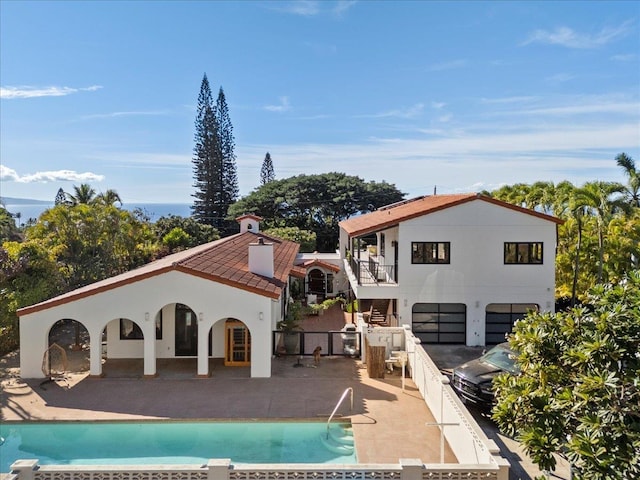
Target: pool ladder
[(344, 394)]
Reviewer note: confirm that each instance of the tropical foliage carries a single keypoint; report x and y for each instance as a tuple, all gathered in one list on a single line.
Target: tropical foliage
[(578, 394), (316, 203), (599, 241), (179, 233), (306, 238)]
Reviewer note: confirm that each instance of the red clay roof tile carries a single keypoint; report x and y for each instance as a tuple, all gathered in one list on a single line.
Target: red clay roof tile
[(225, 261), (391, 215)]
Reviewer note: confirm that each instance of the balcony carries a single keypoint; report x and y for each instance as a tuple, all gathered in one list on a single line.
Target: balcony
[(368, 270)]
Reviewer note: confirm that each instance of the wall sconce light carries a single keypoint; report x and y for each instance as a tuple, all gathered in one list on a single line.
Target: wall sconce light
[(477, 303), (200, 316), (405, 302), (146, 316), (261, 316)]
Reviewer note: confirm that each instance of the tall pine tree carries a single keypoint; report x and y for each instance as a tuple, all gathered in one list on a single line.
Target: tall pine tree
[(229, 184), (266, 172), (214, 162)]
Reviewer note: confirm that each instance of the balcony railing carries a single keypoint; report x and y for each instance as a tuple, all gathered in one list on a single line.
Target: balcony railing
[(369, 271)]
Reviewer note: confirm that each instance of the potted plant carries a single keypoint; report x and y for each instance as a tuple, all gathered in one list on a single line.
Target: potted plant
[(290, 327)]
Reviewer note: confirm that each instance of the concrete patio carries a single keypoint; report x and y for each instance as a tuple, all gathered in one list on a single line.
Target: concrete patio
[(388, 423)]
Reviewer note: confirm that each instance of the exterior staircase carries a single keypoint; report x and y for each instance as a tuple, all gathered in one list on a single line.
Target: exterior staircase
[(378, 312)]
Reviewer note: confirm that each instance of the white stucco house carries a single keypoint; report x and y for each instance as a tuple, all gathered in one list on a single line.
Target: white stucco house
[(456, 269), (222, 299)]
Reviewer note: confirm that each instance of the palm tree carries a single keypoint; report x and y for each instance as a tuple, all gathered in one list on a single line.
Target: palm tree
[(597, 199), (632, 191), (109, 197), (82, 194)]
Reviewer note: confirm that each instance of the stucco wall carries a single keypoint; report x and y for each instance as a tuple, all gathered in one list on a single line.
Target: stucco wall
[(209, 300), (476, 275)]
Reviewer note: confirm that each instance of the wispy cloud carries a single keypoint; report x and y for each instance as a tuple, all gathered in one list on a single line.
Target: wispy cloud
[(627, 57), (311, 8), (567, 37), (438, 105), (343, 6), (283, 107), (455, 160), (10, 92), (439, 67), (560, 78), (304, 8), (505, 100), (409, 112), (123, 114), (9, 174)]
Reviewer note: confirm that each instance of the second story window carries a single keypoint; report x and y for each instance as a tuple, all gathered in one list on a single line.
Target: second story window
[(527, 253), (430, 252)]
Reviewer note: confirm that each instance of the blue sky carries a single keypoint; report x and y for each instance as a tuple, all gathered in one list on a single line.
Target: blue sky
[(464, 96)]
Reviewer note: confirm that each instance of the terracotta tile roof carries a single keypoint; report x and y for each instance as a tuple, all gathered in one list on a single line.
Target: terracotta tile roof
[(319, 263), (298, 271), (225, 261), (391, 215)]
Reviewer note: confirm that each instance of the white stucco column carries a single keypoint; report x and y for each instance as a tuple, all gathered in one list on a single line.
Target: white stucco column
[(95, 353), (149, 329), (260, 349), (203, 346), (34, 342)]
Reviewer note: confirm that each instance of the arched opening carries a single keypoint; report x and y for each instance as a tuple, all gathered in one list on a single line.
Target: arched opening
[(316, 283), (73, 356), (122, 348)]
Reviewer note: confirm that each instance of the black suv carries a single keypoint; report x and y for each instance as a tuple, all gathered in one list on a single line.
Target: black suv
[(473, 380)]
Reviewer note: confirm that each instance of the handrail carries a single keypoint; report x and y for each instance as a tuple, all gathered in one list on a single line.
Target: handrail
[(344, 394)]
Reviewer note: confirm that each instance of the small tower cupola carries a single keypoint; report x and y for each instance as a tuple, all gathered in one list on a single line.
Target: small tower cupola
[(249, 223)]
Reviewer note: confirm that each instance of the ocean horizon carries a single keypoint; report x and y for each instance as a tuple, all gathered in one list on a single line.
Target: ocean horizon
[(153, 210)]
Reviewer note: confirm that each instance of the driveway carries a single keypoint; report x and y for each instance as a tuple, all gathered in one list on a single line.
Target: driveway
[(446, 357)]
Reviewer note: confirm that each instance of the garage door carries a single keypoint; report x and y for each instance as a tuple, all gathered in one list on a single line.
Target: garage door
[(500, 318), (440, 322)]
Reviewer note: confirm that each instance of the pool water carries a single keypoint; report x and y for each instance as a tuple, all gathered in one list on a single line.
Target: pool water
[(144, 443)]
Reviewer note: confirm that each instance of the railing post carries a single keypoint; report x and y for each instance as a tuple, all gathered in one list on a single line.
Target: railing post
[(24, 469), (218, 468), (411, 469)]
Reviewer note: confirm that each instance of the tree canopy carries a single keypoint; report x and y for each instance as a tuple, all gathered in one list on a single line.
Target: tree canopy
[(578, 393), (599, 241), (179, 233), (316, 203), (92, 241)]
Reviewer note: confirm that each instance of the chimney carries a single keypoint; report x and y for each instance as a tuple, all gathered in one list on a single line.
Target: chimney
[(249, 223), (261, 258)]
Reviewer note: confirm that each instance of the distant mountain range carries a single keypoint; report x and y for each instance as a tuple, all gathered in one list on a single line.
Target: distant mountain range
[(22, 201)]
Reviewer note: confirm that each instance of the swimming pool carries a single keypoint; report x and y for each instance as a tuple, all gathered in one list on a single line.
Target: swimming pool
[(152, 442)]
